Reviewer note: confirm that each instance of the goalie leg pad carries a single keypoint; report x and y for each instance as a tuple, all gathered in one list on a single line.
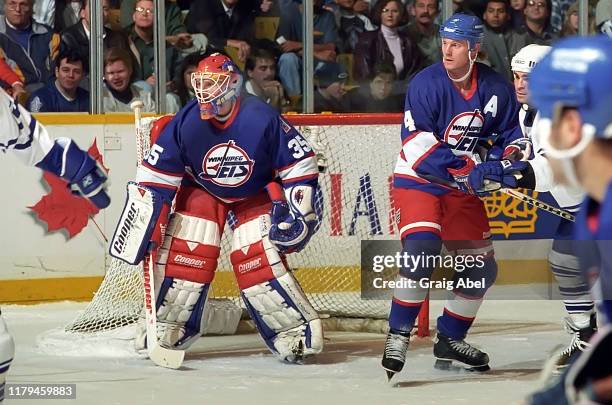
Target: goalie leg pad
[(188, 260), (283, 315)]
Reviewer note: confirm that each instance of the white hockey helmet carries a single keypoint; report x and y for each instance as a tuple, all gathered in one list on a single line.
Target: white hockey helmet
[(528, 57)]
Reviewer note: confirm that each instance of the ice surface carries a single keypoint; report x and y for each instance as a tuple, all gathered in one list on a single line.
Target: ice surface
[(518, 335)]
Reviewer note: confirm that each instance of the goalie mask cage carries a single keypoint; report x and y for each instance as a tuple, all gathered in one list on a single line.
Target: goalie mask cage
[(356, 154)]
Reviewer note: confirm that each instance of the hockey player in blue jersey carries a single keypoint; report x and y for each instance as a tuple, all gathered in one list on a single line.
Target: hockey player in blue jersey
[(22, 135), (572, 89), (451, 108), (226, 152)]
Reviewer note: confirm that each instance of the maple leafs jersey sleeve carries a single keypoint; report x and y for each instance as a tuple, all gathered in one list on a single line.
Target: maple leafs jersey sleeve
[(294, 158), (422, 149), (163, 167), (508, 126), (21, 133)]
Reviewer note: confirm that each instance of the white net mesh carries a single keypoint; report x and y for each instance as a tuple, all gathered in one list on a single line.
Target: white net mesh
[(354, 204)]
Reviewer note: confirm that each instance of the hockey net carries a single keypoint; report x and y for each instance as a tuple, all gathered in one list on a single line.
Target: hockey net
[(356, 154)]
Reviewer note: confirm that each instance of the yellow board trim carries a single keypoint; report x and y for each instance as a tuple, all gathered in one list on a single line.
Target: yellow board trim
[(87, 119), (33, 291)]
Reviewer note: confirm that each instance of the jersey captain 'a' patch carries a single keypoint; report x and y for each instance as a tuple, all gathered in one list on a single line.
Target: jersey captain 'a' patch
[(227, 165), (463, 130)]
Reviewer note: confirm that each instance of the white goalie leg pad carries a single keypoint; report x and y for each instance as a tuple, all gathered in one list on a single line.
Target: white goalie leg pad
[(221, 317), (284, 317), (278, 306), (7, 351), (186, 264)]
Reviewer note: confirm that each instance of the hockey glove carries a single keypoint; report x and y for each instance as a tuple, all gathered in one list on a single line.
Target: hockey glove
[(289, 233), (293, 221), (462, 175), (491, 176), (80, 170), (519, 150)]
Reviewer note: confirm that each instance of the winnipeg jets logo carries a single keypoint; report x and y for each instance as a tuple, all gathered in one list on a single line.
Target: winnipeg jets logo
[(227, 165), (463, 131)]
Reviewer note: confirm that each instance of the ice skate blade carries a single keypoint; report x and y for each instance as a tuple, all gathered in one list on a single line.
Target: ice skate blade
[(447, 365), (390, 374)]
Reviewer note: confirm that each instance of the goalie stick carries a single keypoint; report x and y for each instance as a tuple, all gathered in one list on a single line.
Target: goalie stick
[(160, 355)]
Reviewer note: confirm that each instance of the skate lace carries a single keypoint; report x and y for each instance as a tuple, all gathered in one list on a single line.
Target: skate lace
[(576, 344), (464, 348), (396, 346)]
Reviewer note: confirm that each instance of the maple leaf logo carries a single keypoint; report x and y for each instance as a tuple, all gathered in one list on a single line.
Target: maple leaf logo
[(60, 208)]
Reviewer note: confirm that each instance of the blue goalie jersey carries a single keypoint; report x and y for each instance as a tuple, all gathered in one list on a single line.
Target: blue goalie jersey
[(232, 160), (441, 124)]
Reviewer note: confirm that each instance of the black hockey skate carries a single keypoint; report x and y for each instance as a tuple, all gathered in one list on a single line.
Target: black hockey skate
[(580, 339), (395, 352), (447, 350)]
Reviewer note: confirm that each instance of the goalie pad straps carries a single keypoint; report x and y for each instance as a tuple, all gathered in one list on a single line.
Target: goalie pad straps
[(188, 259), (142, 221), (278, 306)]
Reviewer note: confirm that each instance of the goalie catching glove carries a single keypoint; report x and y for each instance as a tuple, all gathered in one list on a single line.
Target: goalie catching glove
[(293, 220), (141, 226)]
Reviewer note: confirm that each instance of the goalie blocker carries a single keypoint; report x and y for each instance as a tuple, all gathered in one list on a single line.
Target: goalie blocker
[(187, 260)]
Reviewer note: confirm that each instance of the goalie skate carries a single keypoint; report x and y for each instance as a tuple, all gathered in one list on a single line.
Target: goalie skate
[(447, 350)]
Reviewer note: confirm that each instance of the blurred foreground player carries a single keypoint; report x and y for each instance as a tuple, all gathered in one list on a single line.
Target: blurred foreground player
[(538, 175), (451, 107), (226, 152), (29, 140), (572, 89)]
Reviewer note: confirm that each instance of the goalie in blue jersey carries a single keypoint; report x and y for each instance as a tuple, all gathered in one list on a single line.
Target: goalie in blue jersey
[(225, 152)]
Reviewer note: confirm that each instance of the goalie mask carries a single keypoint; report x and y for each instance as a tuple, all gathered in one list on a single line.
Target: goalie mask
[(216, 82)]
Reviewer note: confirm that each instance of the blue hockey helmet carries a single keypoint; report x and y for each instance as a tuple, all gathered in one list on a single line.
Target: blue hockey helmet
[(463, 27), (576, 73)]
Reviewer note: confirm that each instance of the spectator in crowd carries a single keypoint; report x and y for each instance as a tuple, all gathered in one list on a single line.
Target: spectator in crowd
[(141, 34), (67, 13), (570, 23), (388, 44), (517, 13), (173, 16), (63, 94), (558, 13), (76, 37), (119, 91), (44, 12), (425, 31), (603, 17), (376, 95), (501, 42), (228, 23), (289, 37), (29, 47), (350, 25), (330, 95), (537, 23), (261, 80), (182, 82)]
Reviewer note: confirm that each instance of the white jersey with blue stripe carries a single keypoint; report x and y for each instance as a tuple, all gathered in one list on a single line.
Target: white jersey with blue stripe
[(20, 133), (567, 197)]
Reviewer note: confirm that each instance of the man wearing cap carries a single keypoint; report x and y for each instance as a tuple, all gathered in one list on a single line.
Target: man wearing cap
[(330, 95)]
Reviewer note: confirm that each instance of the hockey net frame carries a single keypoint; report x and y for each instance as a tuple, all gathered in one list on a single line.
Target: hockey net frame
[(353, 178)]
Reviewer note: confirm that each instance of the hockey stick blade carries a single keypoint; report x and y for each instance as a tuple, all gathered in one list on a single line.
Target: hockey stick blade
[(165, 357), (159, 355)]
